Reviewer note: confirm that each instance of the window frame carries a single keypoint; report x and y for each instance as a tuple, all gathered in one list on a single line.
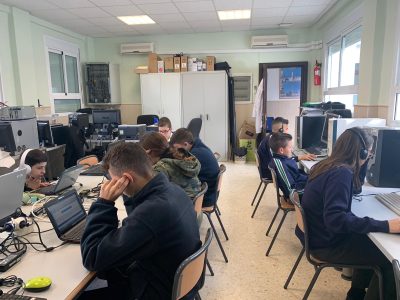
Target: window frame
[(251, 99), (65, 49)]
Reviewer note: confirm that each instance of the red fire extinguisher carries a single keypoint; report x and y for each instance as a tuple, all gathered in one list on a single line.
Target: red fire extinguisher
[(317, 73)]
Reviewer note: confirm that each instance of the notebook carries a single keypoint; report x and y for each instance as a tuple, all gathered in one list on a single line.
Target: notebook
[(67, 179), (68, 216)]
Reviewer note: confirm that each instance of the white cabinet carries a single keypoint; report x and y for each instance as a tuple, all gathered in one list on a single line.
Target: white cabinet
[(161, 95), (187, 95)]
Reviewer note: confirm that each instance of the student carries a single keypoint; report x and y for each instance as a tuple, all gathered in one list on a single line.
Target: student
[(279, 124), (289, 175), (139, 259), (335, 233), (165, 127), (183, 138), (180, 166), (36, 160)]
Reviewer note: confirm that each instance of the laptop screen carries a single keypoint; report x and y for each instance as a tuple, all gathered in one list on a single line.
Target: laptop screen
[(68, 178), (65, 212)]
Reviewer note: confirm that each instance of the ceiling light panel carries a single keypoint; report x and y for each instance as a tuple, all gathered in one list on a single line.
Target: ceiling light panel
[(234, 14), (136, 20)]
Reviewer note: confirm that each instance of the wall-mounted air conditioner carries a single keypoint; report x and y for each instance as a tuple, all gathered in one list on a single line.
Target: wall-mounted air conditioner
[(269, 41), (137, 48)]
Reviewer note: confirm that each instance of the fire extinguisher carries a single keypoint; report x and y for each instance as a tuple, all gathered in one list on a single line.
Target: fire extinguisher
[(317, 73)]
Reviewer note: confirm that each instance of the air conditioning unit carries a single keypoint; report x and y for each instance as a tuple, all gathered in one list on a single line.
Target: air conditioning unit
[(269, 41), (137, 48)]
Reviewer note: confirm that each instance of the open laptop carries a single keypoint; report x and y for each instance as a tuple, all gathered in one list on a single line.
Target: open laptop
[(95, 170), (67, 179), (68, 216)]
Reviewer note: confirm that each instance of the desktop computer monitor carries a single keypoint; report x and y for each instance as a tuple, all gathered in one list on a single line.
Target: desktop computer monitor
[(44, 133), (131, 132), (60, 134), (80, 120), (324, 135), (109, 116), (309, 130), (7, 142), (12, 189)]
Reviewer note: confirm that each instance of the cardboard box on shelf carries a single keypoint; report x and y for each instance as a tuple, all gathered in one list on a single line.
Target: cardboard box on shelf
[(142, 70), (250, 145), (169, 64), (177, 63), (210, 63), (152, 62), (184, 63), (247, 131), (160, 66)]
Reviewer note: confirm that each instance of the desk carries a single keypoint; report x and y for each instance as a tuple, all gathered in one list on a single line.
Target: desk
[(308, 164), (63, 265)]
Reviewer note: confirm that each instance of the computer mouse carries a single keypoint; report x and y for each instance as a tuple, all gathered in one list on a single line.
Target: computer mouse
[(38, 284)]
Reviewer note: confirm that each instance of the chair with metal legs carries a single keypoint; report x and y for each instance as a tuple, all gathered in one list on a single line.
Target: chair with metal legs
[(318, 264), (396, 270), (214, 209), (264, 181), (283, 205)]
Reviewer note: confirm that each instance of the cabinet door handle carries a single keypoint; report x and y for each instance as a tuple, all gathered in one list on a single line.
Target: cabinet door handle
[(207, 116)]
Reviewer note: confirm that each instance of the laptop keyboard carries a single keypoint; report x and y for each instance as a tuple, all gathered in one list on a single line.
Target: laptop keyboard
[(391, 201), (315, 150), (19, 297), (75, 234)]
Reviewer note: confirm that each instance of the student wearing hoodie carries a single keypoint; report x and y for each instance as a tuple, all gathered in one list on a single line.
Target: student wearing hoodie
[(179, 165)]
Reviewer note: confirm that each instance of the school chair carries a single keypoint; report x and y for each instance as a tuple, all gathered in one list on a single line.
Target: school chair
[(283, 205), (191, 272), (396, 270), (264, 181), (318, 264), (88, 161), (214, 209), (194, 126)]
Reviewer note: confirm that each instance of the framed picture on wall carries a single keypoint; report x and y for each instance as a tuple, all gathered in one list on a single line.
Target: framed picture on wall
[(289, 83)]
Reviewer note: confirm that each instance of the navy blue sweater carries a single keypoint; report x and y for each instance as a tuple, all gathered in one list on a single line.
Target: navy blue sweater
[(209, 170), (295, 178), (159, 232), (327, 204), (264, 153)]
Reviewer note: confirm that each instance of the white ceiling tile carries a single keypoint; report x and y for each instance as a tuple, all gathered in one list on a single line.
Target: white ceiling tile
[(161, 8), (266, 26), (164, 18), (106, 21), (269, 12), (195, 6), (210, 23), (184, 1), (54, 14), (110, 2), (235, 28), (311, 2), (149, 1), (72, 3), (179, 30), (305, 10), (201, 16), (232, 4), (30, 5), (226, 23), (271, 3), (149, 29), (207, 29), (119, 28), (124, 10), (175, 25), (75, 23), (299, 19), (266, 21), (89, 12)]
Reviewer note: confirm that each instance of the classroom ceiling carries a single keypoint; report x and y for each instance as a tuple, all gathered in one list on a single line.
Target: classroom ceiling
[(97, 18)]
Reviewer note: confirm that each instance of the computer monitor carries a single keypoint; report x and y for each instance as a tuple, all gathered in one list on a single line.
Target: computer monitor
[(7, 142), (109, 116), (131, 132), (324, 135), (60, 134), (12, 188), (44, 133), (309, 130)]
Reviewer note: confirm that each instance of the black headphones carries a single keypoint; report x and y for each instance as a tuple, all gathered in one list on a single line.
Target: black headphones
[(281, 129), (363, 150)]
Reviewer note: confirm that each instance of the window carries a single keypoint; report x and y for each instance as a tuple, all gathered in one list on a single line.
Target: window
[(64, 76), (342, 73), (397, 90), (242, 88)]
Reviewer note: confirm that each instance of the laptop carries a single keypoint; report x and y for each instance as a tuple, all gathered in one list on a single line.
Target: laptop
[(68, 216), (67, 179), (95, 170)]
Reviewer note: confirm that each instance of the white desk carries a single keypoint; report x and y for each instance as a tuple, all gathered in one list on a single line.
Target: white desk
[(389, 244), (308, 164), (63, 265)]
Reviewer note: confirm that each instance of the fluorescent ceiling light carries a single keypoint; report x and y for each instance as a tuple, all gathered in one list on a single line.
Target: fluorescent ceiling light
[(234, 14), (136, 20)]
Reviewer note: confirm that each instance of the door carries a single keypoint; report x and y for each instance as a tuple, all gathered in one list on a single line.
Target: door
[(150, 87), (171, 98), (193, 98)]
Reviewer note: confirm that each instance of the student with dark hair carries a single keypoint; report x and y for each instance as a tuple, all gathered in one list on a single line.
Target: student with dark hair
[(165, 127), (139, 259), (36, 160), (289, 175), (183, 138), (180, 166), (335, 233), (279, 124)]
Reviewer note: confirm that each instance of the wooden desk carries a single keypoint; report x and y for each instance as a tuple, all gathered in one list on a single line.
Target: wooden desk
[(63, 265)]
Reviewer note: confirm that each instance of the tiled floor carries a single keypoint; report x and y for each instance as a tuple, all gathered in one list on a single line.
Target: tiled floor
[(249, 274)]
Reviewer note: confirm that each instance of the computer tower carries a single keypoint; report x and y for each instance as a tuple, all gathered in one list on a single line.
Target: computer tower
[(309, 130), (384, 167)]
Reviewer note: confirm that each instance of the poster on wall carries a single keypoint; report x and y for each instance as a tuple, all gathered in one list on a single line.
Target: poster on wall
[(289, 83)]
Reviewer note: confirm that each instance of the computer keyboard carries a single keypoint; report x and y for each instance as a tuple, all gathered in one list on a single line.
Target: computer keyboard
[(19, 297), (315, 150), (391, 201)]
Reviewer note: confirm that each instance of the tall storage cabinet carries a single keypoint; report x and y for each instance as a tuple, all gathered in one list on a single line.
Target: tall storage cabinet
[(161, 95)]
